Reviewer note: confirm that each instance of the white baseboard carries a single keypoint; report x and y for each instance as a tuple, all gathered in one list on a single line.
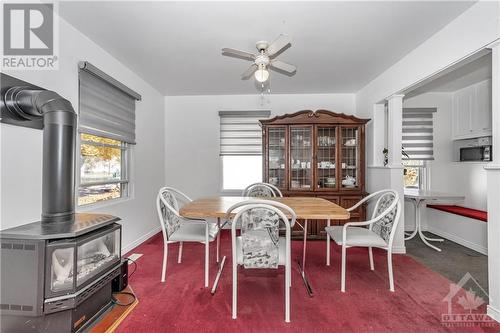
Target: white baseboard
[(141, 240), (493, 313), (476, 247)]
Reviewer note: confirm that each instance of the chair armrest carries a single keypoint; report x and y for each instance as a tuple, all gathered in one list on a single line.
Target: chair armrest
[(364, 200), (360, 224)]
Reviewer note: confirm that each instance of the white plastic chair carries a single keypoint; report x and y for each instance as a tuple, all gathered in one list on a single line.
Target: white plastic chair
[(380, 231), (177, 229), (261, 190), (259, 245)]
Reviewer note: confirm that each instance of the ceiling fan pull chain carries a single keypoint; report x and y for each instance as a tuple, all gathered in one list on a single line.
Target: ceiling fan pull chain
[(262, 94)]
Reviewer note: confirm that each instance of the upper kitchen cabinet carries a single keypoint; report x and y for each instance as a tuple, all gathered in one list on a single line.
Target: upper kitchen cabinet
[(472, 111)]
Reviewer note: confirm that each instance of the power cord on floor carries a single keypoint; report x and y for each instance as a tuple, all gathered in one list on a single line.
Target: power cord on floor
[(135, 266), (113, 298)]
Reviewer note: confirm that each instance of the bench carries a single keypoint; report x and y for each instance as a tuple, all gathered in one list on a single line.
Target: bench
[(462, 211)]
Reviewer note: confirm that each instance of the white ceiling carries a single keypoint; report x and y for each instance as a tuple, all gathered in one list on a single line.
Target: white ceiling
[(337, 46)]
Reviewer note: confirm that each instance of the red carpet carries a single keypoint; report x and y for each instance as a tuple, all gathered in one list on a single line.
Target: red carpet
[(181, 304)]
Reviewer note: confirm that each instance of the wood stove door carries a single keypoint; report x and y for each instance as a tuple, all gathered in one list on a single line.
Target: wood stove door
[(60, 268), (71, 264)]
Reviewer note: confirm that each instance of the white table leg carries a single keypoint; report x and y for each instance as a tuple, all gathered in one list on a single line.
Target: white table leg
[(218, 239), (328, 245), (303, 265), (433, 239), (217, 277), (416, 204), (220, 264), (418, 229)]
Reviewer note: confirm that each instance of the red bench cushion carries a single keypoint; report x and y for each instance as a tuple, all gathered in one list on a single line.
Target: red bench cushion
[(463, 211)]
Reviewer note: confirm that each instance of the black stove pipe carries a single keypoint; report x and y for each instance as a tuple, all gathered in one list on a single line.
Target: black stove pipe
[(59, 135)]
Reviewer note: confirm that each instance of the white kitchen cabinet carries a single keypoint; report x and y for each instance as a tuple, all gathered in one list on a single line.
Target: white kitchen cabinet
[(481, 120), (471, 117)]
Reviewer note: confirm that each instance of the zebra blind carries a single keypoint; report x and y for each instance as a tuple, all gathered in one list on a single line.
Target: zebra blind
[(418, 133), (240, 132), (106, 107)]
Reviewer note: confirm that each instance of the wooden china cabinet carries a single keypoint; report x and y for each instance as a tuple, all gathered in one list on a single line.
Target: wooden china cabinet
[(316, 153)]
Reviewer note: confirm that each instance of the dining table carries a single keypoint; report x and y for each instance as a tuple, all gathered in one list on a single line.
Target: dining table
[(420, 196), (306, 208)]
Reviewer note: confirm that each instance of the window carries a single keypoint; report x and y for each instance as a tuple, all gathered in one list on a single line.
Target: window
[(418, 134), (107, 131), (240, 171), (414, 174), (418, 145), (103, 169), (241, 148)]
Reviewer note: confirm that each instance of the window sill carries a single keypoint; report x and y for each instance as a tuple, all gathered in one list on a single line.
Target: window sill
[(231, 193), (102, 204)]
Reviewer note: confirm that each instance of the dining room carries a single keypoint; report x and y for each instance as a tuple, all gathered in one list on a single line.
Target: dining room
[(208, 166)]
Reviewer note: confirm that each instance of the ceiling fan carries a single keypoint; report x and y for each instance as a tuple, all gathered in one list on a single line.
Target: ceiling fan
[(265, 59)]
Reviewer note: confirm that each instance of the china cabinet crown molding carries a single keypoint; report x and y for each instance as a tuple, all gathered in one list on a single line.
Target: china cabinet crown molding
[(314, 117)]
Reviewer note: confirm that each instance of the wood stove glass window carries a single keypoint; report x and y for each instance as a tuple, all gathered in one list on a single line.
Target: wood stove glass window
[(103, 169), (95, 255)]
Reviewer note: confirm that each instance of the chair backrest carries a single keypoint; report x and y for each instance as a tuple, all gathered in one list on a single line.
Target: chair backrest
[(262, 190), (167, 205), (259, 221), (387, 212)]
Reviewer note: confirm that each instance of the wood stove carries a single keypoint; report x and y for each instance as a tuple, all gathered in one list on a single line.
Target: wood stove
[(55, 274)]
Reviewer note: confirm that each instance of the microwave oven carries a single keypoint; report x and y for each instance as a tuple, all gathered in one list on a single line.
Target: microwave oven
[(479, 153)]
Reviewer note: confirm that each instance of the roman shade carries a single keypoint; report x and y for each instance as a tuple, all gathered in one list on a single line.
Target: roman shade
[(240, 132), (106, 107), (418, 133)]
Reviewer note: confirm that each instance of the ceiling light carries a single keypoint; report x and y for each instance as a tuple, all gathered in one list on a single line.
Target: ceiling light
[(262, 74)]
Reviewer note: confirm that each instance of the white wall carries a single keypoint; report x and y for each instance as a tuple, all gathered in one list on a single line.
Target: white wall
[(21, 148), (192, 132)]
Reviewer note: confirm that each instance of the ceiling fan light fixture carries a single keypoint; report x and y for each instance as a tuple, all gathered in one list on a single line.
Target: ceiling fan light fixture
[(262, 74)]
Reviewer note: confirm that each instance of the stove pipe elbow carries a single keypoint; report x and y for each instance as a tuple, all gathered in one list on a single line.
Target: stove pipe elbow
[(59, 137)]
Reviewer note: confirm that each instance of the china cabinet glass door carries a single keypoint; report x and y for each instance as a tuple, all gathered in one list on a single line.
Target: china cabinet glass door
[(276, 156), (300, 157), (326, 141), (350, 157)]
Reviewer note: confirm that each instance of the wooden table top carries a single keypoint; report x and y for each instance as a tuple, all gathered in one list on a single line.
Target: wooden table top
[(304, 207)]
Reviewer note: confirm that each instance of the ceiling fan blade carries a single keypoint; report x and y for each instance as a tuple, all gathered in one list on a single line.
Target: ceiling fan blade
[(279, 43), (249, 72), (283, 67), (238, 54)]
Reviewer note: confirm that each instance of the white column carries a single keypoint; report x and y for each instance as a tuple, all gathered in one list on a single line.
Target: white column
[(493, 194), (378, 134), (395, 129), (394, 138)]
